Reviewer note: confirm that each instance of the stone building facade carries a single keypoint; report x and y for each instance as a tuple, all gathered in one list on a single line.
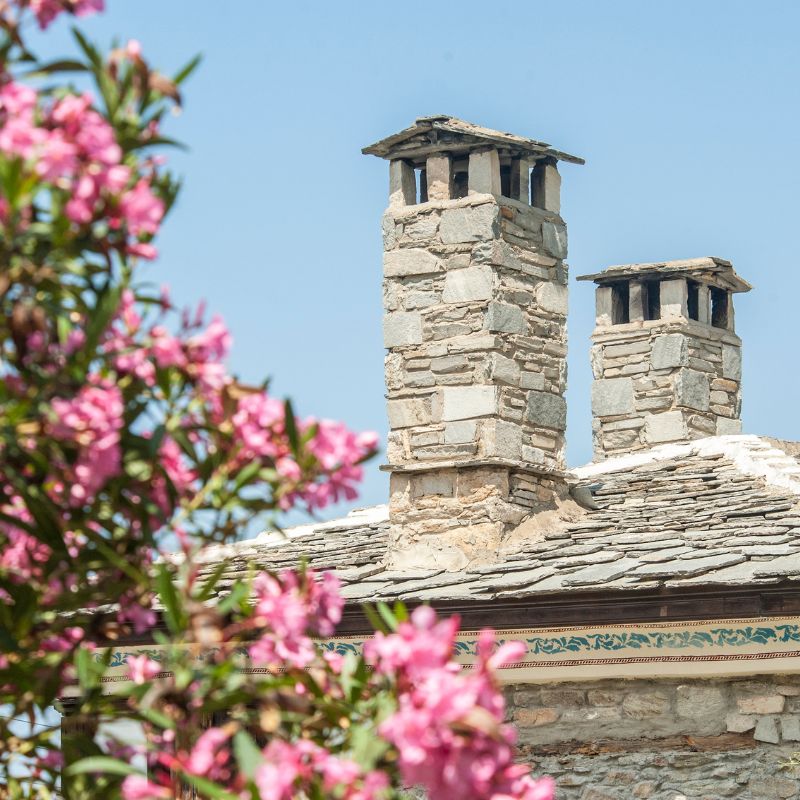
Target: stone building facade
[(657, 589)]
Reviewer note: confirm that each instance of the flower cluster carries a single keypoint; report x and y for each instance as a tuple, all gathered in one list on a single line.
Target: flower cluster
[(448, 728), (288, 608), (73, 151), (48, 10)]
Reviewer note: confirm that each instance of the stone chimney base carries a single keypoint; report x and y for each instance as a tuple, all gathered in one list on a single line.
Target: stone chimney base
[(452, 517)]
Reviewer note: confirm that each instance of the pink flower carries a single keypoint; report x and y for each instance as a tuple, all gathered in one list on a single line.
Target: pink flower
[(91, 422), (142, 669), (48, 10), (139, 616), (138, 787), (141, 209), (208, 758)]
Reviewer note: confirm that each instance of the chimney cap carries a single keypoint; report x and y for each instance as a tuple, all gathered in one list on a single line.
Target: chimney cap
[(443, 133), (711, 268)]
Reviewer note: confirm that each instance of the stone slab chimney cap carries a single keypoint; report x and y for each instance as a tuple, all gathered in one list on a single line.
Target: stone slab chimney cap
[(443, 133), (710, 267)]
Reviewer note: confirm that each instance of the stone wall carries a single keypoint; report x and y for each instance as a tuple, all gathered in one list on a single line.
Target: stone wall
[(663, 381), (476, 301), (664, 740)]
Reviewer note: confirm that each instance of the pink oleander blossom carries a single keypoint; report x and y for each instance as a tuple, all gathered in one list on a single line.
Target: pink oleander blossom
[(141, 209), (91, 422), (142, 669), (138, 787), (46, 11)]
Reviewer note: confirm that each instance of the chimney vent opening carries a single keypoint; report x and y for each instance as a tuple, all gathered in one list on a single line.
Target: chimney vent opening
[(719, 307), (693, 300), (653, 306), (460, 178), (421, 177), (620, 298)]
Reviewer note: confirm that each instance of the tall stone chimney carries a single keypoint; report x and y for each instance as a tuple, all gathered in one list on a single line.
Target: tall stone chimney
[(666, 360), (475, 296)]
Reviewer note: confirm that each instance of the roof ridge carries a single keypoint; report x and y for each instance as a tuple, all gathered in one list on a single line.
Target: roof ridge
[(750, 454)]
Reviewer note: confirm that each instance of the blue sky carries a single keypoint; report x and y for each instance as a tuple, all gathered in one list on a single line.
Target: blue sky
[(687, 114)]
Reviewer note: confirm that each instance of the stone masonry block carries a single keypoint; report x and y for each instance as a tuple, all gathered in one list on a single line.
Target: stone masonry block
[(731, 362), (548, 410), (603, 303), (410, 261), (546, 187), (552, 297), (402, 185), (468, 402), (728, 427), (674, 299), (401, 328), (484, 172), (467, 285), (612, 396), (469, 224), (554, 238), (669, 351), (409, 412), (790, 728), (460, 432), (532, 380), (692, 390), (667, 427), (505, 317), (504, 370), (439, 172), (501, 439)]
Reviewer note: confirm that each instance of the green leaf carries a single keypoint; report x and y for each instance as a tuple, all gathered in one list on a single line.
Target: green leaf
[(248, 756), (211, 582), (91, 52), (187, 70), (62, 65), (101, 764), (387, 616), (375, 619), (291, 427), (400, 612), (173, 612), (239, 592), (208, 787)]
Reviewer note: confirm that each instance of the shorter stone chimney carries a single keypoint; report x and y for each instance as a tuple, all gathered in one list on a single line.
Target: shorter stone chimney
[(475, 300), (666, 359)]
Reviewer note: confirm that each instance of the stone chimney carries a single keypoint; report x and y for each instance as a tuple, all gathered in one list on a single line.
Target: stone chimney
[(666, 360), (475, 297)]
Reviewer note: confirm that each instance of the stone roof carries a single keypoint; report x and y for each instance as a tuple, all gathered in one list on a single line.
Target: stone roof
[(442, 132), (714, 512), (708, 267)]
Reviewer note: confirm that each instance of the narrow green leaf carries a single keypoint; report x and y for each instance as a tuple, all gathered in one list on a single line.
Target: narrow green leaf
[(387, 616), (375, 619), (208, 787), (105, 764), (187, 70), (173, 612), (291, 427), (248, 756)]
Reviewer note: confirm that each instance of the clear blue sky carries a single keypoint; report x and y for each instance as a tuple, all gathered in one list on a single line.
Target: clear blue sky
[(687, 114)]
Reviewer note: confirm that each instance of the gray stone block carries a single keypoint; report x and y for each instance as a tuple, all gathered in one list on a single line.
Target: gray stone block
[(669, 351), (401, 328), (501, 439), (554, 238), (505, 317), (728, 427), (460, 432), (674, 299), (667, 427), (692, 390), (469, 224), (484, 171), (468, 285), (468, 402), (408, 412), (767, 731), (504, 370), (612, 396), (790, 729), (548, 410), (552, 297), (731, 362), (532, 380), (410, 261)]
